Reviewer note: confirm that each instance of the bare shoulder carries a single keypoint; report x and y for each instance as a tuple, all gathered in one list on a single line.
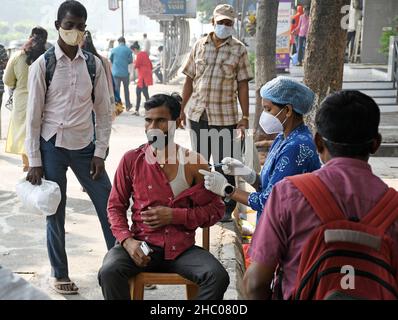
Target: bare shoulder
[(195, 162)]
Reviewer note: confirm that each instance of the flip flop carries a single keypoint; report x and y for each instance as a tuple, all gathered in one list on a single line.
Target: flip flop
[(55, 284)]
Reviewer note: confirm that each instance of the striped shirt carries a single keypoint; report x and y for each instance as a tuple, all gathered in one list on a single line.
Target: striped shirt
[(215, 74), (3, 62)]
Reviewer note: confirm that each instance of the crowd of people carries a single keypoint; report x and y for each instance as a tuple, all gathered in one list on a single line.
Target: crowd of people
[(64, 100)]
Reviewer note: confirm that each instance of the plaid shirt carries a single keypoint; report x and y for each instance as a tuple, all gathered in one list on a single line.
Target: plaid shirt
[(3, 61), (215, 74)]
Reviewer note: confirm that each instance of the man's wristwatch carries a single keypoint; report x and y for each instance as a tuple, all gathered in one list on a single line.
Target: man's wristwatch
[(246, 118)]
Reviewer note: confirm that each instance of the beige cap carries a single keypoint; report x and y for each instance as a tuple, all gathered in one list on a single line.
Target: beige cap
[(224, 11)]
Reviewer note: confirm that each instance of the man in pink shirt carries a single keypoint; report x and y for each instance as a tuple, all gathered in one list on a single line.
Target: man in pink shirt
[(302, 31), (289, 220), (60, 131)]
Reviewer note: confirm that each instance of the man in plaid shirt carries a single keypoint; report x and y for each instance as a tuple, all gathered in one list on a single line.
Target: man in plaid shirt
[(3, 63), (217, 75)]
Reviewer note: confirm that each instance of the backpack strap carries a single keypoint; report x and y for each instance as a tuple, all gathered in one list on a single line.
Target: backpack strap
[(92, 69), (385, 213), (319, 197), (51, 63)]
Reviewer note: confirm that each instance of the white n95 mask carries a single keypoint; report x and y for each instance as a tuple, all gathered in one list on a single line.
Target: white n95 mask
[(271, 124)]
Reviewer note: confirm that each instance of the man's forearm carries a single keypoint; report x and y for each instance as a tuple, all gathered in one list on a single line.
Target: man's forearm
[(186, 92), (243, 96)]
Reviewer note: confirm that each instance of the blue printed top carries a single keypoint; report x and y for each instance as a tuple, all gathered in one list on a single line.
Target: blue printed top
[(287, 157)]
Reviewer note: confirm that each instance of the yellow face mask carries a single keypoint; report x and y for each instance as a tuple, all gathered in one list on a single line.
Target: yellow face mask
[(71, 37)]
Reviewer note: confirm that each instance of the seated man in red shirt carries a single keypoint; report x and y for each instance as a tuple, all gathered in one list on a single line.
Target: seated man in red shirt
[(347, 134), (169, 203)]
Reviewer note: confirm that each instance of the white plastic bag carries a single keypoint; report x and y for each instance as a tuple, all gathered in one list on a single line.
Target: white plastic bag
[(43, 199)]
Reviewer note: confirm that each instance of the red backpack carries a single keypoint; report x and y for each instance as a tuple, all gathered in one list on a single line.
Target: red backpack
[(345, 259)]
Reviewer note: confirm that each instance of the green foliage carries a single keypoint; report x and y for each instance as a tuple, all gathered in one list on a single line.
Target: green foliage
[(385, 37), (252, 61)]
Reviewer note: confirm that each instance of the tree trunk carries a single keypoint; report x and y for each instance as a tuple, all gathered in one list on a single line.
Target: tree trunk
[(266, 20), (326, 43)]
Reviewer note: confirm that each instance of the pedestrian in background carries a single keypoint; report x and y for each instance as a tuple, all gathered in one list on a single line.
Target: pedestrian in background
[(3, 63), (88, 45), (144, 67), (121, 57), (157, 70), (302, 30), (147, 44), (16, 77)]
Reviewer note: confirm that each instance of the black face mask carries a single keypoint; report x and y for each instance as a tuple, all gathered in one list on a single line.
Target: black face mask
[(157, 139)]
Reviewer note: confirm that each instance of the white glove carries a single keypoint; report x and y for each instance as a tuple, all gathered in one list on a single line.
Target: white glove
[(233, 167), (215, 182)]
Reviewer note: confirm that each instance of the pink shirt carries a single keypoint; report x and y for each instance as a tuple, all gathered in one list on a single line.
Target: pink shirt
[(288, 219), (304, 25), (65, 109)]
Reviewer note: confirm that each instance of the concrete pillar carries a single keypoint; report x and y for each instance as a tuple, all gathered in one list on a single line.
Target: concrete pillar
[(377, 15), (391, 58)]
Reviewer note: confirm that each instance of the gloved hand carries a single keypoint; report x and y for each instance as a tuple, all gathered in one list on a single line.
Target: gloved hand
[(215, 182), (234, 167)]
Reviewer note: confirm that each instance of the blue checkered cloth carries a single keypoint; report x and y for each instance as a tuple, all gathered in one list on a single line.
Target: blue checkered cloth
[(285, 90)]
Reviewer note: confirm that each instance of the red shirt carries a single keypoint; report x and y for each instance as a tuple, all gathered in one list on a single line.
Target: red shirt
[(140, 178), (144, 67)]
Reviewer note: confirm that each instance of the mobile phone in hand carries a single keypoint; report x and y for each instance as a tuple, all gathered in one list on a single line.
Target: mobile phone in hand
[(145, 248)]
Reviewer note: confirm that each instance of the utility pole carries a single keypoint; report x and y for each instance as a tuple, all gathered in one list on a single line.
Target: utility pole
[(122, 6)]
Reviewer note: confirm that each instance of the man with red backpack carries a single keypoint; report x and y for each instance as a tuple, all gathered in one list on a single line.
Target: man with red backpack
[(332, 234)]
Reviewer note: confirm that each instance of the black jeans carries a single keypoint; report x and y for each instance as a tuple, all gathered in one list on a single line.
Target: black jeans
[(143, 90), (217, 146), (195, 264)]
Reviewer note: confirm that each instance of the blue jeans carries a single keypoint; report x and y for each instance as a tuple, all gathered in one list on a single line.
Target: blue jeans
[(126, 82), (55, 164), (301, 48)]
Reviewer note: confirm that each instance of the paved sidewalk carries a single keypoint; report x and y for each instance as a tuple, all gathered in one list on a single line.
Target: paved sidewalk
[(22, 234), (23, 237)]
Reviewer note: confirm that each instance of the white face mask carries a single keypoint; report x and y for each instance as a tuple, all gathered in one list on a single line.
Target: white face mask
[(223, 32), (271, 124), (71, 37)]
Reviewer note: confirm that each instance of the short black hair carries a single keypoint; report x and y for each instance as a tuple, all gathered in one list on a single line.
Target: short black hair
[(349, 122), (73, 7), (39, 34), (145, 35), (135, 45), (172, 102), (122, 40)]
